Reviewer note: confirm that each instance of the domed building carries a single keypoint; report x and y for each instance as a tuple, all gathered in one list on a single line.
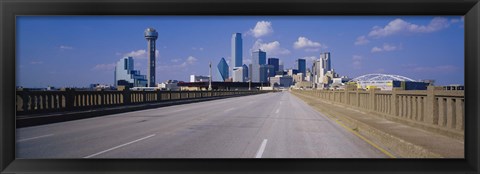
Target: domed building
[(388, 82)]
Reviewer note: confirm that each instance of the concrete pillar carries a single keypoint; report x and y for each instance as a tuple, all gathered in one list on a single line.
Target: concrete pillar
[(415, 107), (421, 108), (69, 99), (371, 99), (442, 114), (451, 113), (460, 116), (431, 107)]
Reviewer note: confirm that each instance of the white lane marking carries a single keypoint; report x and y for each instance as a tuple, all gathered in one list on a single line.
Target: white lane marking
[(116, 147), (228, 110), (262, 148), (32, 138), (278, 110)]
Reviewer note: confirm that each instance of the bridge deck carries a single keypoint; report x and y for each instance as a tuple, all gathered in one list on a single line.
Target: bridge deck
[(272, 125)]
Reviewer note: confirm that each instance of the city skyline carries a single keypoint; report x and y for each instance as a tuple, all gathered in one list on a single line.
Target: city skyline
[(78, 51)]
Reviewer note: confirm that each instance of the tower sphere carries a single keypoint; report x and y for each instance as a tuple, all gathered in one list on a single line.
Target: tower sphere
[(151, 33)]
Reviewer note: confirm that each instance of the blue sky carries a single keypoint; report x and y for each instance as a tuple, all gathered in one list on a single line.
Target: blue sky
[(79, 50)]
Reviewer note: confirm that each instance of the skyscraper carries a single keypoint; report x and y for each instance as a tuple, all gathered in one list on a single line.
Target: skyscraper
[(237, 75), (245, 73), (237, 48), (125, 74), (301, 66), (325, 61), (223, 69), (320, 68), (151, 35), (258, 58), (280, 66), (275, 63)]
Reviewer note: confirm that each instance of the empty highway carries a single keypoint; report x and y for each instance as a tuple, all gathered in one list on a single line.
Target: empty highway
[(272, 125)]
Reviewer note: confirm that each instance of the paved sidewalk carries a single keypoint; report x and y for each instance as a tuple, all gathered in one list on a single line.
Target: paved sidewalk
[(402, 140)]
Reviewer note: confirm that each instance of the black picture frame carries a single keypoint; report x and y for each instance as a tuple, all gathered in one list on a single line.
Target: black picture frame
[(11, 8)]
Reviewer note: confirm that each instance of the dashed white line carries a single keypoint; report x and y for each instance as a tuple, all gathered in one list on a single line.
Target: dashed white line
[(262, 148), (32, 138), (116, 147), (228, 110), (278, 110)]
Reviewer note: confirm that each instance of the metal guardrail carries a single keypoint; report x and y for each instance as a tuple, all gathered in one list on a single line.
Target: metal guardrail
[(37, 102)]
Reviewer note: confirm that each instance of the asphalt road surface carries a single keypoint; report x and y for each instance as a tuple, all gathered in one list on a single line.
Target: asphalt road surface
[(273, 125)]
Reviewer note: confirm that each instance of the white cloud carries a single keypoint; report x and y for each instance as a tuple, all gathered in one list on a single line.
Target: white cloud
[(64, 47), (310, 58), (137, 54), (140, 54), (361, 40), (175, 60), (398, 25), (386, 47), (262, 28), (104, 67), (191, 60), (272, 48), (303, 42), (247, 61), (376, 49)]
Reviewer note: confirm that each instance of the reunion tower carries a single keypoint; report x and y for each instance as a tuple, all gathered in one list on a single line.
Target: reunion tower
[(151, 35)]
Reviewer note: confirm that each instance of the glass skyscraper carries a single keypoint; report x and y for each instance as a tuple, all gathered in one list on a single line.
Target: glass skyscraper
[(275, 63), (258, 58), (125, 74), (237, 59), (223, 69), (245, 73), (302, 66)]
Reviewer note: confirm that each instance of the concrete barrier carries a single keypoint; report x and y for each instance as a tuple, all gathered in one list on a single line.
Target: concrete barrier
[(434, 109), (38, 102)]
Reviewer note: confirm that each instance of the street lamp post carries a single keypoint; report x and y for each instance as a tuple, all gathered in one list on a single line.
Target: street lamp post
[(210, 79)]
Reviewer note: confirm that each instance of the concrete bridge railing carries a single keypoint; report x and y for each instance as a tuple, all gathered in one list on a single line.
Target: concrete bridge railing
[(432, 109), (36, 102)]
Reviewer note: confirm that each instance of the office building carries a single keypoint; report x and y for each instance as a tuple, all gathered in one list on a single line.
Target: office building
[(151, 35), (126, 75), (275, 63), (297, 77), (245, 73), (280, 66), (238, 75), (258, 58), (281, 81), (308, 76), (320, 68), (263, 73), (292, 72), (237, 49), (223, 69), (301, 66), (194, 78), (250, 72)]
